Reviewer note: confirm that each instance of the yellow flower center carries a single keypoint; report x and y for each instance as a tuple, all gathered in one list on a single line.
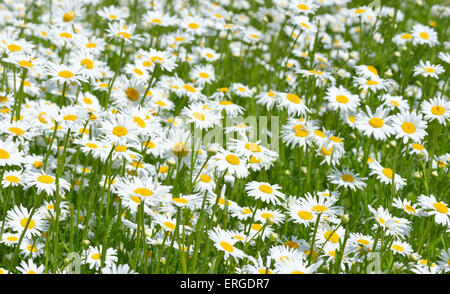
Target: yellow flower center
[(124, 35), (65, 74), (23, 223), (293, 98), (372, 70), (45, 179), (96, 256), (17, 131), (334, 237), (437, 110), (319, 208), (189, 88), (408, 127), (119, 131), (226, 246), (305, 215), (387, 172), (143, 192), (14, 48), (253, 147), (89, 64), (193, 26), (397, 247), (25, 63), (266, 189), (376, 122), (180, 149), (232, 159), (68, 16), (139, 121), (441, 207), (424, 35), (12, 179), (342, 99), (199, 116), (205, 178), (169, 225), (418, 146)]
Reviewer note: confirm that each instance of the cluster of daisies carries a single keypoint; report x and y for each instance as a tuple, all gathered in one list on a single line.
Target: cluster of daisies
[(280, 136)]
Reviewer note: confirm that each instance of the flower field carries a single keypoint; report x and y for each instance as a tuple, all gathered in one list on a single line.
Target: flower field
[(224, 136)]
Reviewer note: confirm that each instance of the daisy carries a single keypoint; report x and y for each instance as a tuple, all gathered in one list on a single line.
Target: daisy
[(266, 192), (395, 102), (93, 255), (227, 161), (18, 217), (30, 267), (367, 71), (60, 73), (121, 269), (45, 182), (119, 129), (224, 242), (203, 116), (13, 179), (341, 99), (373, 84), (385, 175), (203, 74), (301, 213), (258, 266), (263, 215), (409, 126), (268, 99), (401, 248), (437, 208), (436, 109), (122, 31), (297, 266), (444, 260), (407, 207), (294, 104), (377, 124), (424, 35), (241, 90), (428, 70), (282, 254), (347, 178), (417, 149)]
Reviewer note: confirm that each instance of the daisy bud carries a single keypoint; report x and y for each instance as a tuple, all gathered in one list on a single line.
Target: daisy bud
[(273, 237), (397, 54), (212, 150), (66, 261), (171, 162), (414, 257), (270, 221), (63, 197), (287, 172), (421, 155), (86, 243), (434, 173), (163, 260), (304, 169), (344, 218), (393, 143), (389, 73), (417, 175), (364, 250)]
